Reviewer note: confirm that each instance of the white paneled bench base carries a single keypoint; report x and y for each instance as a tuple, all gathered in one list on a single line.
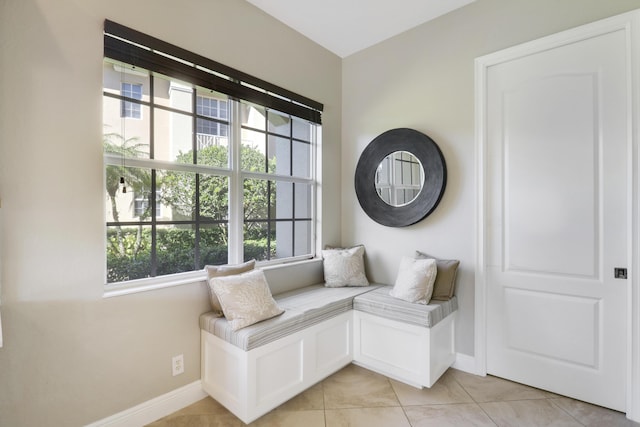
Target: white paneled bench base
[(412, 343), (255, 369)]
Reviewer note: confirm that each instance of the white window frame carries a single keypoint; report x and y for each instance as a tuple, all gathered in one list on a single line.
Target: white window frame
[(236, 215)]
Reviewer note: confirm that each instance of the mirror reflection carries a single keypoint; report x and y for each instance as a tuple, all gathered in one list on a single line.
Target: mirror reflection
[(399, 178)]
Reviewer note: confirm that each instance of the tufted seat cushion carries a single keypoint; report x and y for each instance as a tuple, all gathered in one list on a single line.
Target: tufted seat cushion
[(303, 307), (380, 303)]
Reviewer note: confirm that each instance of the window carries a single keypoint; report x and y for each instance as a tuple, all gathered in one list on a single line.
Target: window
[(213, 108), (210, 131), (210, 176), (142, 206), (399, 178), (128, 108)]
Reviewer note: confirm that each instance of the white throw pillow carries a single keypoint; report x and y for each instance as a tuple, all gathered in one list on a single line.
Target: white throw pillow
[(344, 267), (224, 270), (415, 280), (245, 298)]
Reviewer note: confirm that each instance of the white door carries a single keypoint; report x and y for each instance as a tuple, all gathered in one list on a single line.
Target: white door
[(558, 217)]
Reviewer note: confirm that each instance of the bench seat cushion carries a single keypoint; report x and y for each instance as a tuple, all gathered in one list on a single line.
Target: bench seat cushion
[(303, 307), (380, 303)]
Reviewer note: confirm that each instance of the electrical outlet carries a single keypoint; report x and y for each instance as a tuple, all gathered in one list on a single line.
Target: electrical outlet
[(177, 365)]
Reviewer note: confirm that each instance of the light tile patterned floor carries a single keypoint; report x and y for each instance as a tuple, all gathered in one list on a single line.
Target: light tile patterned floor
[(356, 397)]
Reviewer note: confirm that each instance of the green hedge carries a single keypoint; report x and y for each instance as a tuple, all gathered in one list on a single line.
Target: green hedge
[(176, 253)]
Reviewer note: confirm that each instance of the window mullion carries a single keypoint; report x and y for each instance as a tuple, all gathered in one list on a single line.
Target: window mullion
[(194, 159), (236, 193), (154, 225), (316, 204)]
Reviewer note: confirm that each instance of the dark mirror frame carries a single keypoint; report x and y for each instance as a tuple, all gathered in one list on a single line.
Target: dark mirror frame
[(435, 177)]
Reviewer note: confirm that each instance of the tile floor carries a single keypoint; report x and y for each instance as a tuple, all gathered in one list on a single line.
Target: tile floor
[(357, 397)]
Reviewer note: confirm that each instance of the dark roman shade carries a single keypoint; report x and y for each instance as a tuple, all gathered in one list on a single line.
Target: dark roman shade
[(141, 50)]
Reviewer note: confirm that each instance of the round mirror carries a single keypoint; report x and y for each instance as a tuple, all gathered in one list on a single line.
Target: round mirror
[(399, 178), (399, 199)]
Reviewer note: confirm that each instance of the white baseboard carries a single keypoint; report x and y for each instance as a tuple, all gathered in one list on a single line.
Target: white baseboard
[(156, 408), (465, 363)]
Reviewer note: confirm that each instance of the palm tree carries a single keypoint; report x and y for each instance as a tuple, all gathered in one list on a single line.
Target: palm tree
[(137, 178)]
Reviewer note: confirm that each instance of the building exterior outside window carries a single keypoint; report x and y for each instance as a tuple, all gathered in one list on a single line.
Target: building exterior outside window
[(128, 108)]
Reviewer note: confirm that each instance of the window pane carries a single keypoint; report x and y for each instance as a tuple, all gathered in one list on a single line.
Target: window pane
[(284, 239), (303, 238), (302, 129), (128, 108), (257, 241), (112, 122), (303, 201), (115, 74), (173, 136), (143, 204), (301, 159), (125, 136), (178, 191), (279, 123), (213, 132), (128, 253), (214, 198), (253, 116), (259, 195), (253, 152), (284, 201), (213, 244), (279, 152), (172, 93), (212, 104), (211, 128), (175, 249), (259, 227), (213, 150), (121, 206)]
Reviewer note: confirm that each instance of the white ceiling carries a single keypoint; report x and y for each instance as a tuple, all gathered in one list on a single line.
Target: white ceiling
[(348, 26)]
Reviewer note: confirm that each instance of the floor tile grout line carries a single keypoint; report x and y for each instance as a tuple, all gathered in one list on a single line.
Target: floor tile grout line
[(400, 402), (324, 404), (476, 402), (488, 416), (554, 404), (465, 390)]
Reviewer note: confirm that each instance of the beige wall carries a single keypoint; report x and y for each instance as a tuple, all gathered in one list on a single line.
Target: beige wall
[(424, 79), (71, 357)]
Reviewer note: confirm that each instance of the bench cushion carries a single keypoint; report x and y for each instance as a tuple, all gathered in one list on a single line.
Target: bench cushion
[(380, 303), (303, 307)]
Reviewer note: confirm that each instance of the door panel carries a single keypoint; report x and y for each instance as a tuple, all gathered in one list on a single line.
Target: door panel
[(557, 163), (557, 218), (533, 327)]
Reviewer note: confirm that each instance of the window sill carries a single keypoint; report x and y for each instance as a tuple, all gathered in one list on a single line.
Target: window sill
[(153, 283), (179, 279)]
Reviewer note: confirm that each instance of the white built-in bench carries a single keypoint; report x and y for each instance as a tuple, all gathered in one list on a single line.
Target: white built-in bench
[(413, 343), (255, 369)]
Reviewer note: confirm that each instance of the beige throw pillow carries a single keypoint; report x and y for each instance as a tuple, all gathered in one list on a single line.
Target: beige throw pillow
[(221, 271), (444, 287), (415, 280), (344, 267), (245, 298)]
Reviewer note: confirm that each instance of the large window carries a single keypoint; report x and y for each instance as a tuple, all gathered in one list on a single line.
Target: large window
[(205, 176)]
